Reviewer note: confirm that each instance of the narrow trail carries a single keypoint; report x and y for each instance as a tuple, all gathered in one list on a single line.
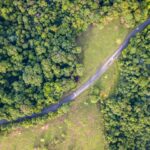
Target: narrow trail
[(91, 81)]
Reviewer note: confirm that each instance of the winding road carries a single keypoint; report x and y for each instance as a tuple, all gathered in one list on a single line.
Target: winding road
[(97, 75)]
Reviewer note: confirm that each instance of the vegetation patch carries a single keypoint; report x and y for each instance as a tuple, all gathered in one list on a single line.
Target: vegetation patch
[(98, 45)]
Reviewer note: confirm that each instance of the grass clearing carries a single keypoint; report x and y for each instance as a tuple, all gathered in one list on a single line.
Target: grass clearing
[(108, 81), (98, 45), (82, 127)]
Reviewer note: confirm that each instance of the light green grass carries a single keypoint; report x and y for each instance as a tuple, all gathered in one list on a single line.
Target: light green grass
[(108, 81), (82, 127), (98, 45), (86, 126)]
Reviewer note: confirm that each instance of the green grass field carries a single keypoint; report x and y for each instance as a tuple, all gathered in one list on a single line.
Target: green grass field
[(108, 81), (98, 45), (82, 127)]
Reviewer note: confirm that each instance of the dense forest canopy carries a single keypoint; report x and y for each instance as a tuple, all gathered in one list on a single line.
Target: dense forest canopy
[(38, 53)]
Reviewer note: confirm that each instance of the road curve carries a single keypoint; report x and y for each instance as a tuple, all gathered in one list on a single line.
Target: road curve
[(97, 75)]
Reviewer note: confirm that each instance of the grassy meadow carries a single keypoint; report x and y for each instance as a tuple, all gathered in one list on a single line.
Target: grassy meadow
[(98, 45)]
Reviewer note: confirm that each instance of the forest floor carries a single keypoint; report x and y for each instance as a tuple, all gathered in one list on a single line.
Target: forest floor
[(82, 127)]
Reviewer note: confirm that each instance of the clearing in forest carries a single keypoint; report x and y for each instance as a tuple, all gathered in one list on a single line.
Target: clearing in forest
[(98, 45)]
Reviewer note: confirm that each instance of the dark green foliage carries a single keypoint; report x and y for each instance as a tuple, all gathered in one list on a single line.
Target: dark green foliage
[(38, 53), (126, 112), (130, 12)]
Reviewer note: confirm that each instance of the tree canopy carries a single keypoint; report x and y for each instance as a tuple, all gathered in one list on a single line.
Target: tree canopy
[(38, 52)]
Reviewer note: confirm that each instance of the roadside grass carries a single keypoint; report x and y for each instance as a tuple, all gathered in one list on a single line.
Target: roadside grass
[(82, 127), (86, 126), (98, 45), (108, 81)]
